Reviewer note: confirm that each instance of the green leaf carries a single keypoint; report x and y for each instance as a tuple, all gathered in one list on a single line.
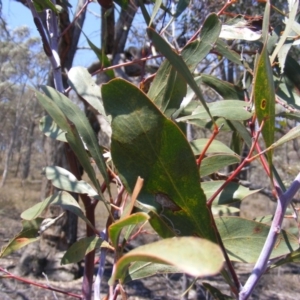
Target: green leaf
[(72, 136), (147, 144), (228, 109), (264, 96), (167, 89), (29, 234), (194, 256), (156, 7), (65, 180), (115, 229), (193, 53), (85, 86), (50, 129), (181, 6), (41, 5), (141, 269), (215, 163), (232, 192), (78, 118), (105, 62), (293, 8), (293, 257), (215, 147), (225, 89), (63, 199), (216, 293), (237, 232), (81, 248), (144, 11), (223, 49), (178, 63), (292, 134)]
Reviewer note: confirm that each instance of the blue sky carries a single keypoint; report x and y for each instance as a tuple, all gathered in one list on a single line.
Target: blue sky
[(17, 15)]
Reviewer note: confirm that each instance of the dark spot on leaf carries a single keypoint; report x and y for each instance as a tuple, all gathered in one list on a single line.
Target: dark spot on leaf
[(257, 229), (263, 104)]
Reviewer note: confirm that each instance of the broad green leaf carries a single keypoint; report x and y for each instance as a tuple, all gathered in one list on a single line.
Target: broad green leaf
[(65, 180), (141, 269), (237, 232), (216, 162), (264, 96), (193, 53), (225, 89), (228, 109), (156, 7), (85, 86), (72, 136), (232, 192), (78, 118), (115, 229), (50, 129), (167, 89), (215, 147), (178, 63), (191, 255), (29, 234), (147, 144), (105, 62), (63, 199), (81, 248), (216, 293)]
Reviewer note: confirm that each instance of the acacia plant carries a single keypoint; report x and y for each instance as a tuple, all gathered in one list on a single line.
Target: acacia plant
[(162, 177)]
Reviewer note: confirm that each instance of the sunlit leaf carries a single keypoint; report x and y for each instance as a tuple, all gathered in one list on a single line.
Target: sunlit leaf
[(78, 118), (50, 129), (237, 232), (215, 163), (72, 135), (29, 234), (116, 228), (228, 109), (156, 7), (215, 147), (147, 144), (231, 193), (63, 199), (194, 256), (142, 269), (65, 180)]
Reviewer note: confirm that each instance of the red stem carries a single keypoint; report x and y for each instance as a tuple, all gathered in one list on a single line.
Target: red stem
[(40, 285)]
